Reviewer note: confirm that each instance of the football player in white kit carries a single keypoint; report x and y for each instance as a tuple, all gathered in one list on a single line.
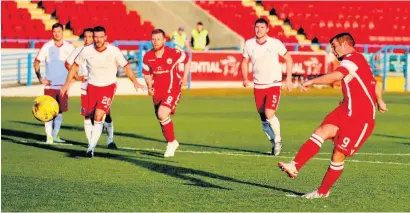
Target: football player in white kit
[(102, 60), (83, 77), (263, 52), (54, 53)]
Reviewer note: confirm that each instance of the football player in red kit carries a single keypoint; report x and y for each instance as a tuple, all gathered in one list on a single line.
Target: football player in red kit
[(164, 83), (351, 123)]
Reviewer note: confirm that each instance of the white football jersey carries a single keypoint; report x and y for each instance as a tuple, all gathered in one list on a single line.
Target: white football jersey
[(264, 57), (70, 61), (55, 57), (101, 65)]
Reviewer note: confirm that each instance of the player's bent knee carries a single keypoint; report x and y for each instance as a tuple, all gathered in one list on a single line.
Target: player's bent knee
[(269, 113), (326, 131), (99, 115), (163, 113), (338, 156)]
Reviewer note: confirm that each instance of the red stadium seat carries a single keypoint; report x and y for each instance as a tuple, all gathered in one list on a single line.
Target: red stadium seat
[(346, 16)]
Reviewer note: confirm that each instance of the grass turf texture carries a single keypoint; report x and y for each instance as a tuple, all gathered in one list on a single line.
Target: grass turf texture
[(220, 165)]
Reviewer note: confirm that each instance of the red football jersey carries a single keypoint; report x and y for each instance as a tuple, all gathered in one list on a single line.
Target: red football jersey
[(164, 69), (358, 87)]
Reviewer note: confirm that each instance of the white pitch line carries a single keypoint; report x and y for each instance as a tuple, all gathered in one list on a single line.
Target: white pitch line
[(241, 154), (260, 155)]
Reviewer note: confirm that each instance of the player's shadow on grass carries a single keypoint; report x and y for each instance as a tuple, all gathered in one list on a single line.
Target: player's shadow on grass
[(392, 136), (169, 170), (132, 135)]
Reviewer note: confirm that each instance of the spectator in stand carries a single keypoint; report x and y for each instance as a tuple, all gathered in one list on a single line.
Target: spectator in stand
[(200, 38), (180, 38)]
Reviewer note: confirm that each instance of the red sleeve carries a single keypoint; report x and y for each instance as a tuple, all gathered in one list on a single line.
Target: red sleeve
[(145, 67), (343, 70)]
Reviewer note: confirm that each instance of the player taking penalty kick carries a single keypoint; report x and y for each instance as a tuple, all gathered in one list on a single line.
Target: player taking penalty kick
[(164, 83), (264, 51), (102, 60), (351, 123), (83, 76)]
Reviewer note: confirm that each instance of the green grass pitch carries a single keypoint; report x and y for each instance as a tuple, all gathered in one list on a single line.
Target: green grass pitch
[(220, 165)]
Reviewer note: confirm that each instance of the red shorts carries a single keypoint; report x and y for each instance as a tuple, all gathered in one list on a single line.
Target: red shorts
[(353, 132), (97, 98), (169, 100), (84, 100), (61, 100), (267, 98)]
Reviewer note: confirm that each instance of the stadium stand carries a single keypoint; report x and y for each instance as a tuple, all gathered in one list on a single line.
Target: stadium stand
[(369, 22), (19, 23), (240, 16), (291, 22)]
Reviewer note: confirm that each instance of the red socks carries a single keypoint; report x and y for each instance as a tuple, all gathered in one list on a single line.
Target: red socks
[(309, 149), (333, 173), (168, 129)]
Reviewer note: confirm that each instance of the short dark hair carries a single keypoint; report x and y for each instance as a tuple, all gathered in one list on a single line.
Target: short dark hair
[(99, 29), (57, 25), (87, 30), (200, 23), (343, 37), (158, 31), (261, 20)]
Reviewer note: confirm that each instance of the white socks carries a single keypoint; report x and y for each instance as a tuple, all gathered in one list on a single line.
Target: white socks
[(88, 126), (57, 124), (95, 135), (49, 128), (275, 125), (110, 131)]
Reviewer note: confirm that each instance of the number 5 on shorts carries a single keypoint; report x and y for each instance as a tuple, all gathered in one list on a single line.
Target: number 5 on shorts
[(274, 99)]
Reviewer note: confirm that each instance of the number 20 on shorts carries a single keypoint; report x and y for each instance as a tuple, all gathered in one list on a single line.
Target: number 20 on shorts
[(106, 101)]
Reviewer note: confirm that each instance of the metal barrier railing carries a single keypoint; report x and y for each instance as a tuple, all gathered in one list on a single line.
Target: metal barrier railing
[(17, 67)]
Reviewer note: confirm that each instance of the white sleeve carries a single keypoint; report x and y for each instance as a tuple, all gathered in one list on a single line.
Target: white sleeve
[(119, 57), (42, 54), (280, 47), (79, 58), (245, 53), (70, 60)]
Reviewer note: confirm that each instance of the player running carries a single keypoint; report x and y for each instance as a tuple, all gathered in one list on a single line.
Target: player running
[(264, 51), (102, 60), (351, 123), (54, 53), (164, 84), (83, 76)]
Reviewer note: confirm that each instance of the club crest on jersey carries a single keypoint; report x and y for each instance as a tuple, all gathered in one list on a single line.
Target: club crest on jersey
[(169, 61)]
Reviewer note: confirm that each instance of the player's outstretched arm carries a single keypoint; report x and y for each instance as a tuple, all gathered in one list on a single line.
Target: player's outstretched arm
[(380, 103), (289, 66), (70, 77), (131, 76), (324, 79), (244, 68)]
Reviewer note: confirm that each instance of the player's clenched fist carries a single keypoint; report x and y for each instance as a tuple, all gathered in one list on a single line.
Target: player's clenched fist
[(382, 106), (246, 83), (151, 91)]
